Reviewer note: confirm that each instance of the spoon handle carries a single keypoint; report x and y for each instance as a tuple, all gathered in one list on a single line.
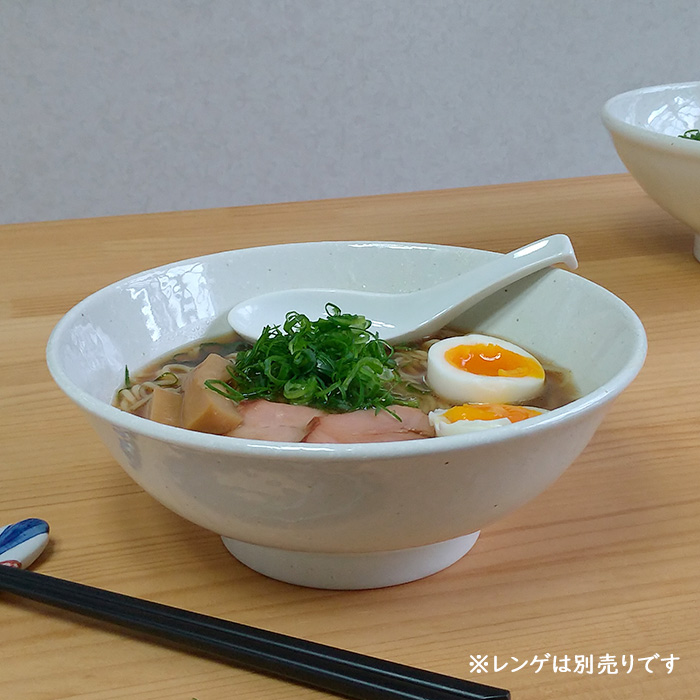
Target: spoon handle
[(439, 307)]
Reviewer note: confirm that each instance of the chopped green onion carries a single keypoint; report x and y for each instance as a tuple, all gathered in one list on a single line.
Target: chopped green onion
[(693, 134), (221, 387), (334, 363), (169, 379)]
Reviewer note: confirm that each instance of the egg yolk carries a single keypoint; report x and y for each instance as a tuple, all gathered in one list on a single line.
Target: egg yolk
[(491, 360), (489, 411)]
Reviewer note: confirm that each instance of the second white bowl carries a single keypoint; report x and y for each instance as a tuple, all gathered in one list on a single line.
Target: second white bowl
[(645, 126)]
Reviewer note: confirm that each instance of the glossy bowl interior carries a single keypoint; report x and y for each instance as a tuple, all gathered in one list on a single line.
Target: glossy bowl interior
[(645, 125), (343, 516)]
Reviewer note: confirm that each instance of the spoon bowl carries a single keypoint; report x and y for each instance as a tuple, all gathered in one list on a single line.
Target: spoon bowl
[(400, 318)]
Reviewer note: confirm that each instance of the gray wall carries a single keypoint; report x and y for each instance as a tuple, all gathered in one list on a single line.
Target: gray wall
[(130, 106)]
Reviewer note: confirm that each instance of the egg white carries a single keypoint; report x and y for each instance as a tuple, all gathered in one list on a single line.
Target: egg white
[(459, 386)]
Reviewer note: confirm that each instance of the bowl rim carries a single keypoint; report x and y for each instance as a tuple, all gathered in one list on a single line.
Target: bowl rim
[(226, 445), (640, 134)]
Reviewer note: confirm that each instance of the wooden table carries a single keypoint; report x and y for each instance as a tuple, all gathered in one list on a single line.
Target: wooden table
[(602, 568)]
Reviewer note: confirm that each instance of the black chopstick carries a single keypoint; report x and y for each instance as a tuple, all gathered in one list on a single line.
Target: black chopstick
[(324, 667)]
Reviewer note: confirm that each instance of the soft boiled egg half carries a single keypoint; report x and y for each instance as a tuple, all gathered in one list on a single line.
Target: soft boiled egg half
[(481, 416), (477, 368)]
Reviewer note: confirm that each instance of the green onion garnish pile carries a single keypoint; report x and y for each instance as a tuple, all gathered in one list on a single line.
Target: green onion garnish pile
[(335, 364)]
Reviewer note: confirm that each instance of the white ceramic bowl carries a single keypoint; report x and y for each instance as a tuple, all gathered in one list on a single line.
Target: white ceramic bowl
[(644, 125), (343, 516)]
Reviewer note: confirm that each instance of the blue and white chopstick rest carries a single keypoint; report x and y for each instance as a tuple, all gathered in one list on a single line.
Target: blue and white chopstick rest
[(21, 543)]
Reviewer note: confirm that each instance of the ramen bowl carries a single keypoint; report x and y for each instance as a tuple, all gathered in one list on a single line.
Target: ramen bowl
[(645, 126), (343, 516)]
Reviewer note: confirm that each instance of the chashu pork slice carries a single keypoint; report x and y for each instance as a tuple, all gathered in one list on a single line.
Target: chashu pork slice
[(268, 420), (370, 426)]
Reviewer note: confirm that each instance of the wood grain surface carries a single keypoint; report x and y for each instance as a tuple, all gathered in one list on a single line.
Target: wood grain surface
[(603, 566)]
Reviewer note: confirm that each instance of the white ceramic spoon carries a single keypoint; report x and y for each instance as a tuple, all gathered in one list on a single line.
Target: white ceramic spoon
[(408, 316)]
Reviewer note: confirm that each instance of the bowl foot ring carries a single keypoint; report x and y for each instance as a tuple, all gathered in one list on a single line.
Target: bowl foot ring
[(351, 571)]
